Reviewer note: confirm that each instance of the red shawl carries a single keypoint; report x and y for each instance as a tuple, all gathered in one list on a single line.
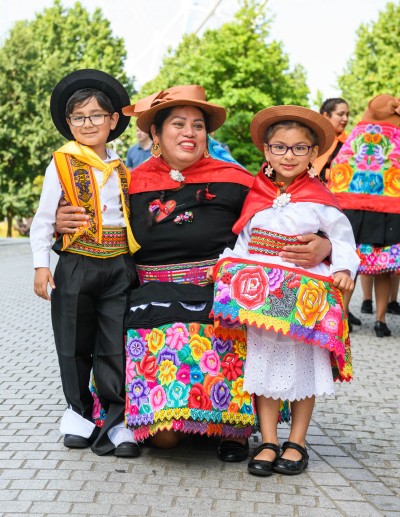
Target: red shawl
[(153, 174), (263, 193)]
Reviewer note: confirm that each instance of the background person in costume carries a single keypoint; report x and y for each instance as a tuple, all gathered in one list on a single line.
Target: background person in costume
[(365, 180), (296, 323), (336, 110), (182, 373), (95, 272)]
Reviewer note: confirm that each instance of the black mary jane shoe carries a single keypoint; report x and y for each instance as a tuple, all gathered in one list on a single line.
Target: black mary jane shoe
[(381, 329), (366, 307), (263, 467), (231, 450), (127, 450), (290, 467)]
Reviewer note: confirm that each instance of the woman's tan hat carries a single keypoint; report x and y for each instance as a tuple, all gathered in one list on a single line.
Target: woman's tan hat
[(187, 95), (268, 116)]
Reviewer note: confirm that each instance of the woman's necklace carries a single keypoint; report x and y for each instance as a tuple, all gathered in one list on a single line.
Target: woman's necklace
[(282, 198)]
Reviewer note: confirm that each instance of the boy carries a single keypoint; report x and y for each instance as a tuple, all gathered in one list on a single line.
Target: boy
[(95, 272)]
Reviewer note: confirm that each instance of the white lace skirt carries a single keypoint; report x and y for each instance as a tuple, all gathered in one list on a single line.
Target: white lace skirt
[(278, 368)]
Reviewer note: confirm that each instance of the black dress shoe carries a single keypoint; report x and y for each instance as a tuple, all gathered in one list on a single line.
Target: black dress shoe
[(289, 467), (231, 450), (381, 329), (366, 307), (74, 441), (127, 450), (263, 467), (393, 307), (353, 320)]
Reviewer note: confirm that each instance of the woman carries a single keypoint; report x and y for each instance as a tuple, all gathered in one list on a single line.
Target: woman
[(365, 180), (336, 110), (184, 374)]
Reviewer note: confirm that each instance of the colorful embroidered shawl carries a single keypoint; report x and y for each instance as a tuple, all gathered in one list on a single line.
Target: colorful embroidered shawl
[(306, 307), (365, 174)]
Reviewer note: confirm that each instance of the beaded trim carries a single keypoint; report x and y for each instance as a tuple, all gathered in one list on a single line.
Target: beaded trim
[(113, 243), (189, 273), (270, 243)]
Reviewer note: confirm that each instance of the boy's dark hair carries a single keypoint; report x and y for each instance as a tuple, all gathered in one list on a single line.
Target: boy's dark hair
[(290, 124), (161, 116), (329, 105), (82, 97)]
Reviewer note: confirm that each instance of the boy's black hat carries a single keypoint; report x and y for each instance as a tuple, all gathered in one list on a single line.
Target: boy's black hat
[(88, 78)]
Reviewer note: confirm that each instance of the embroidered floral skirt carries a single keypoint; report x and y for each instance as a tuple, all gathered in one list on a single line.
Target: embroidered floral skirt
[(376, 260), (182, 372), (305, 307)]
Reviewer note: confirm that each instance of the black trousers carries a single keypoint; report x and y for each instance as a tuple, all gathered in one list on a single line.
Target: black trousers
[(88, 307)]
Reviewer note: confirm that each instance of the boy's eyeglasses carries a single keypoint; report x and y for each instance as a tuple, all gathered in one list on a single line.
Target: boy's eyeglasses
[(96, 120), (297, 150)]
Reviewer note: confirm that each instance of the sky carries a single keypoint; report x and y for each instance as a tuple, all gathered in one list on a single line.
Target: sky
[(318, 34)]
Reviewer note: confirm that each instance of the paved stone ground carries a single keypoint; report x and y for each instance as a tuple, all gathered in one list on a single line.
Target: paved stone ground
[(353, 440)]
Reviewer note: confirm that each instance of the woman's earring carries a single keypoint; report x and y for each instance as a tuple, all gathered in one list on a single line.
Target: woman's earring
[(206, 154), (268, 170), (311, 171), (156, 151)]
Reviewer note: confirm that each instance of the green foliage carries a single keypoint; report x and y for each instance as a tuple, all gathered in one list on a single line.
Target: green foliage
[(36, 55), (240, 70), (374, 67)]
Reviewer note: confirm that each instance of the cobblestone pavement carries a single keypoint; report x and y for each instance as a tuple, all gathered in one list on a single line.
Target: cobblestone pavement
[(353, 439)]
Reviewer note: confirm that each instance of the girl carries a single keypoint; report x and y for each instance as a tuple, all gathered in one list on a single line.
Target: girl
[(296, 324)]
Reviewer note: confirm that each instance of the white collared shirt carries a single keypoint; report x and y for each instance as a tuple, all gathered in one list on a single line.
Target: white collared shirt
[(42, 229)]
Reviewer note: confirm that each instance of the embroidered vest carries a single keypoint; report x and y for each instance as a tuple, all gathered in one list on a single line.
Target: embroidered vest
[(80, 188)]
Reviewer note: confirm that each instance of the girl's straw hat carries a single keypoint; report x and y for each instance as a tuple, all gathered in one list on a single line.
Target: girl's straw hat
[(88, 78), (187, 95), (318, 123)]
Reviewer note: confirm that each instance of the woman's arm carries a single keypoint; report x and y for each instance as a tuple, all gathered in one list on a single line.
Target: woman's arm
[(313, 253), (70, 218)]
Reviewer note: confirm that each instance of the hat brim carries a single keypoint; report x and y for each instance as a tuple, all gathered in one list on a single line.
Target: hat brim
[(315, 121), (88, 78), (216, 114)]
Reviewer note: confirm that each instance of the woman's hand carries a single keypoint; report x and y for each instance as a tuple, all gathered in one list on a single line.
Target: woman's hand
[(313, 253), (70, 218), (209, 276)]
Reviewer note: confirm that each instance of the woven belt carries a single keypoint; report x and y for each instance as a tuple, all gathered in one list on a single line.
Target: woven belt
[(189, 273), (114, 242), (270, 243)]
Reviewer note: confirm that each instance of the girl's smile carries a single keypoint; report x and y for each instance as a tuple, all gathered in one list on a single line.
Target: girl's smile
[(288, 166)]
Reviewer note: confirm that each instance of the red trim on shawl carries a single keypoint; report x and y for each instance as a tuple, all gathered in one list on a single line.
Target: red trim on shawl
[(263, 193), (153, 174)]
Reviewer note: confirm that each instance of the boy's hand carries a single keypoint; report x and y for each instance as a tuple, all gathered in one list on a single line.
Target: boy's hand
[(209, 276), (43, 277), (343, 281), (70, 218)]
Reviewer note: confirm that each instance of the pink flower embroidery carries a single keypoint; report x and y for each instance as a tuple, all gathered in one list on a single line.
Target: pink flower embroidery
[(177, 336), (210, 362), (130, 371), (332, 322), (183, 374), (157, 398)]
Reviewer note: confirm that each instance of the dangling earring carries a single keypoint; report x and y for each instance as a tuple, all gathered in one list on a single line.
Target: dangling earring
[(268, 170), (156, 151), (311, 171), (206, 154)]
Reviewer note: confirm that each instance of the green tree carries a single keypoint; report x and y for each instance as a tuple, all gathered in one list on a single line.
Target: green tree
[(35, 56), (374, 67), (241, 70)]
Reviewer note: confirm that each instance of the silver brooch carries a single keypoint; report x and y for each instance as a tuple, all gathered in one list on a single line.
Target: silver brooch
[(176, 175), (282, 200)]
